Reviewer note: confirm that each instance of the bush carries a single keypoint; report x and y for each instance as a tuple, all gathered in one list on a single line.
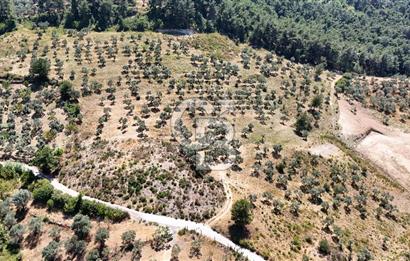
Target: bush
[(42, 191), (95, 209), (162, 237), (343, 83), (72, 205), (128, 238), (73, 110), (7, 26), (68, 93), (324, 247), (26, 177), (58, 200), (303, 124), (8, 172), (92, 209)]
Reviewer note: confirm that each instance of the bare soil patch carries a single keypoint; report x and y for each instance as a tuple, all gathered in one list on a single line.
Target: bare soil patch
[(326, 150), (355, 120), (387, 147), (392, 153)]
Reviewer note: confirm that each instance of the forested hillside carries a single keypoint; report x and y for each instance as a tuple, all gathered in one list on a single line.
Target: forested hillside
[(363, 36)]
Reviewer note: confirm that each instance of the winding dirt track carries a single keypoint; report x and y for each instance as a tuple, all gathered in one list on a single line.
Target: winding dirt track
[(226, 208), (172, 223)]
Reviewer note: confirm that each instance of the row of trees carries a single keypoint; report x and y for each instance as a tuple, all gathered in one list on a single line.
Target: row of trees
[(331, 33)]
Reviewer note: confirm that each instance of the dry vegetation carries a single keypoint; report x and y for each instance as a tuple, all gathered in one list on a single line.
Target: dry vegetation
[(57, 228), (120, 147), (150, 177)]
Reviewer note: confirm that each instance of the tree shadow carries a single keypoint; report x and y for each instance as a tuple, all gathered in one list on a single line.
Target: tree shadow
[(32, 240), (13, 248), (37, 85), (238, 233), (21, 214)]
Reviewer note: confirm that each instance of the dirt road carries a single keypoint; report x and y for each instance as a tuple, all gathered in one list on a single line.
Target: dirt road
[(172, 223)]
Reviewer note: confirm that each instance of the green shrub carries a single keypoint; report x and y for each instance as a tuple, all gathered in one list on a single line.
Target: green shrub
[(324, 247), (71, 206), (303, 124), (50, 204), (7, 26), (59, 200), (47, 159), (246, 243), (73, 110), (95, 209), (42, 191)]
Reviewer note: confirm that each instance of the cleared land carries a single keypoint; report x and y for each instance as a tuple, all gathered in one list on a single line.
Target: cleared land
[(386, 146)]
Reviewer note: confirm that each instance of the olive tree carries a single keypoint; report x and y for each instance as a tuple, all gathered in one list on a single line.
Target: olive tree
[(101, 236), (128, 238), (21, 199), (75, 246), (35, 226), (50, 252), (81, 225)]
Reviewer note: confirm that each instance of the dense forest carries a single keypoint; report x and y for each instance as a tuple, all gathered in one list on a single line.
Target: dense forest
[(97, 15), (363, 36)]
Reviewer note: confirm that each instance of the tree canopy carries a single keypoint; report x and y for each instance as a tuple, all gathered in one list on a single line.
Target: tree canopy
[(242, 212), (39, 69), (370, 37), (47, 159)]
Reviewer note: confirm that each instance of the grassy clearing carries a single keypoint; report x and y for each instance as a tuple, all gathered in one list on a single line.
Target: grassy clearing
[(215, 44)]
